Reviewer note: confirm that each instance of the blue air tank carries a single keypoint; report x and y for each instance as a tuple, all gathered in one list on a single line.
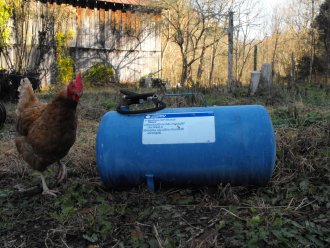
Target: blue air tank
[(187, 147)]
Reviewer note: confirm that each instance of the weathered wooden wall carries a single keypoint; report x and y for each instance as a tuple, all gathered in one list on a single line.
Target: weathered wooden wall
[(124, 36)]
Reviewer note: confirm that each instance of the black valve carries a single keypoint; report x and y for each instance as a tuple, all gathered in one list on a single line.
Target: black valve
[(128, 98)]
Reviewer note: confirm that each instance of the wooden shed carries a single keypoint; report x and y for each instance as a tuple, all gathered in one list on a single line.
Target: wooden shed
[(123, 33)]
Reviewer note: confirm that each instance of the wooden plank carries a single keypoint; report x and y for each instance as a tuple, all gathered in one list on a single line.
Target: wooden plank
[(89, 29), (124, 21), (85, 28), (108, 29), (74, 25), (129, 21), (137, 23), (79, 26), (113, 20), (94, 30), (118, 20), (102, 27)]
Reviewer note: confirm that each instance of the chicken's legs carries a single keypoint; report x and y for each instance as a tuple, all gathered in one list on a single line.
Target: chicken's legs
[(46, 190), (62, 173)]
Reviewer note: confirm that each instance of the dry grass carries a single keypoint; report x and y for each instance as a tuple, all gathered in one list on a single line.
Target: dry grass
[(301, 150)]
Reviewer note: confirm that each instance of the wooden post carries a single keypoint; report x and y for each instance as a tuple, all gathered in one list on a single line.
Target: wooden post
[(230, 51), (255, 78), (266, 79), (255, 61), (311, 64), (293, 70)]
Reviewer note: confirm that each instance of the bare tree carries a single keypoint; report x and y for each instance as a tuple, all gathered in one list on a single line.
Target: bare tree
[(299, 22), (247, 23), (201, 61), (312, 51), (323, 25), (191, 25), (276, 29)]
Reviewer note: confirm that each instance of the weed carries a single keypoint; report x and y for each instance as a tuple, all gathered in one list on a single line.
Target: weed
[(98, 75), (64, 63)]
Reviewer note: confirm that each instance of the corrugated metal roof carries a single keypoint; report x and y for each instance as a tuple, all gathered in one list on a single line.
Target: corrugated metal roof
[(131, 2)]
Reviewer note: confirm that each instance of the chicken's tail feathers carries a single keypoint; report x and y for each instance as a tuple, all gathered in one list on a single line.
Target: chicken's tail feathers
[(26, 95)]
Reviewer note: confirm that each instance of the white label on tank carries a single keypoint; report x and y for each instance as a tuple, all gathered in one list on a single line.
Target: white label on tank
[(178, 128)]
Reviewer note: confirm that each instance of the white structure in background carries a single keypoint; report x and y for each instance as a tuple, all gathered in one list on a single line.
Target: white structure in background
[(123, 33)]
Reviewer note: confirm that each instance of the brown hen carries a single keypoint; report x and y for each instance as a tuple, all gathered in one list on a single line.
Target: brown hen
[(46, 132)]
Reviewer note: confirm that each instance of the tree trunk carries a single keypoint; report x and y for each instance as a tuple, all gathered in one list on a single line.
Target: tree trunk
[(184, 72), (214, 50), (255, 58), (230, 51), (293, 71), (201, 64), (311, 64)]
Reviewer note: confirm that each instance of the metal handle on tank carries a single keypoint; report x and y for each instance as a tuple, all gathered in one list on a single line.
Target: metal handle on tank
[(129, 98)]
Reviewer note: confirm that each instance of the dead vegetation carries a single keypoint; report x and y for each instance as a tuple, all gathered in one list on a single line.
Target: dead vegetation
[(292, 210)]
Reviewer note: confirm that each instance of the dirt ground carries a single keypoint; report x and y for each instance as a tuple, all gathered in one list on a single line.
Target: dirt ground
[(292, 210)]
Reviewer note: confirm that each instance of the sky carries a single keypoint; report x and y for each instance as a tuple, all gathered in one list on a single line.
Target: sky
[(272, 3), (269, 5)]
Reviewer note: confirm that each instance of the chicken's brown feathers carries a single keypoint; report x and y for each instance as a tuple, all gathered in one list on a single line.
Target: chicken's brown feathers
[(29, 108), (26, 96), (45, 132)]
